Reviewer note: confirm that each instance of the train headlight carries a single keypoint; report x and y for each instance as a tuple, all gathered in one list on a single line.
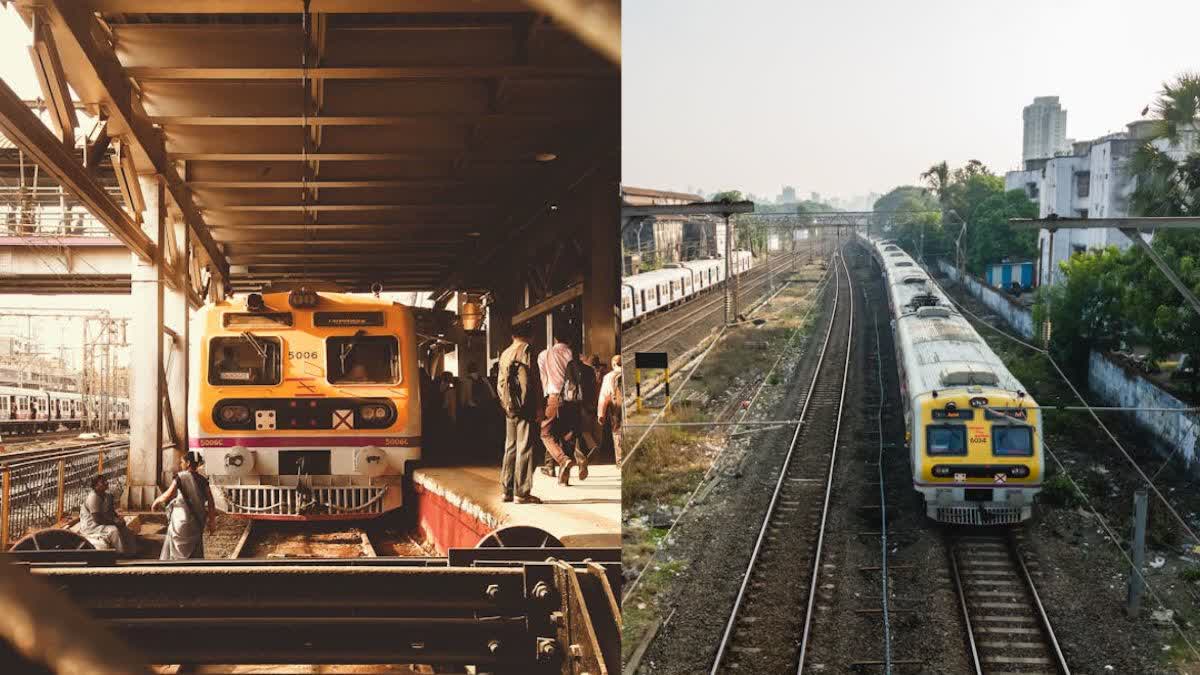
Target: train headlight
[(239, 461), (234, 413), (373, 413), (371, 461)]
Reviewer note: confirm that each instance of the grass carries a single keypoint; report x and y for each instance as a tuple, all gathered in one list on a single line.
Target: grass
[(1059, 491)]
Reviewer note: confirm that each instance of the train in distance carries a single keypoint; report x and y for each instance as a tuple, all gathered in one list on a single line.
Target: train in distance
[(974, 435), (650, 292), (305, 404)]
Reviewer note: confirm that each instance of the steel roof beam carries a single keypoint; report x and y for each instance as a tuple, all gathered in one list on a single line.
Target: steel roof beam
[(314, 208), (152, 73), (325, 184), (362, 120), (73, 25), (27, 131), (290, 6), (341, 226)]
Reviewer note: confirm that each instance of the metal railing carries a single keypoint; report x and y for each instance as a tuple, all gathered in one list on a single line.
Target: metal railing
[(39, 488)]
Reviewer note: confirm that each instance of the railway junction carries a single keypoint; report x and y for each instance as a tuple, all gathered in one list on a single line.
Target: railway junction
[(262, 156)]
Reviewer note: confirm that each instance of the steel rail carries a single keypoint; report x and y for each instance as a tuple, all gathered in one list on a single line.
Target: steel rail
[(883, 519), (803, 417), (1017, 560), (28, 457), (837, 430), (701, 310), (1060, 661), (966, 611)]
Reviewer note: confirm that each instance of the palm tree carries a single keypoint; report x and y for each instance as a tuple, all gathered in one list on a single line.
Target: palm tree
[(1167, 186), (938, 178)]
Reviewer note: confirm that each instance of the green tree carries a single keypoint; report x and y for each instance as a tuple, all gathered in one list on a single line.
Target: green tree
[(989, 239), (728, 196), (1086, 309)]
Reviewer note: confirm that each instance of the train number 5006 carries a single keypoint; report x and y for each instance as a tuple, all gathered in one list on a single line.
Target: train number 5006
[(292, 356)]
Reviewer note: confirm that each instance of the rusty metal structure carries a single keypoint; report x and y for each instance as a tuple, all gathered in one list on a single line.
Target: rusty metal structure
[(503, 610)]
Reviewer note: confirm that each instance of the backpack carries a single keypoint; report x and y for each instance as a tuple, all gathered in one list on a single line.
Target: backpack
[(573, 382), (511, 392)]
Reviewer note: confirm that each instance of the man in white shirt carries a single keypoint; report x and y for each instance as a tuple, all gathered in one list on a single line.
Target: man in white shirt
[(561, 425)]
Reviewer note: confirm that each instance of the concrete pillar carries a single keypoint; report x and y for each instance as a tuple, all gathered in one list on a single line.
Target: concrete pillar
[(145, 358), (601, 292), (176, 314)]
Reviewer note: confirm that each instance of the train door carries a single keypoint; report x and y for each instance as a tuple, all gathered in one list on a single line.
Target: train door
[(657, 295), (5, 410)]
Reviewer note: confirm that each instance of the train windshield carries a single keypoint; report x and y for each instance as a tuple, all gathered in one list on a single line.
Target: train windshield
[(244, 360), (1012, 441), (946, 440), (363, 359)]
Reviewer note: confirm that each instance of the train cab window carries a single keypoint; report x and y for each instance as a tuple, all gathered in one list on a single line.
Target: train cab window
[(244, 360), (946, 440), (363, 359), (1012, 441)]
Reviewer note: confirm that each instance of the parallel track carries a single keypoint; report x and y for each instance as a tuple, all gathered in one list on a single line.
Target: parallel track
[(690, 313), (764, 629), (1007, 627)]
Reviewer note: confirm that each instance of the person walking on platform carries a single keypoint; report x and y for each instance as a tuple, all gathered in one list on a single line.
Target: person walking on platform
[(561, 384), (518, 389), (100, 524), (611, 405), (190, 506)]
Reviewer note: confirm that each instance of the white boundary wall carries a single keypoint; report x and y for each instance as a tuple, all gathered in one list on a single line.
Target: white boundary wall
[(1107, 380)]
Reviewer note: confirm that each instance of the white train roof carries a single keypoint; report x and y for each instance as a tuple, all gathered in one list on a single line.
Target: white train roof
[(940, 348)]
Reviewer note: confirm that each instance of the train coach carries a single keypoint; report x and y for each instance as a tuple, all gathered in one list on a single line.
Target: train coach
[(306, 405), (974, 436), (649, 292), (26, 410)]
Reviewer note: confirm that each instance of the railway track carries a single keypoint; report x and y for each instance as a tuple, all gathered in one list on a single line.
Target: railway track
[(268, 539), (765, 633), (1007, 627), (666, 326)]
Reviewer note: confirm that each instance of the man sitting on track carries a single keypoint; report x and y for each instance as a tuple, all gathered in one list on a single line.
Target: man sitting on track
[(100, 524)]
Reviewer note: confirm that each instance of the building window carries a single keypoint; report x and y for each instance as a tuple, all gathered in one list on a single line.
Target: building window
[(1031, 190), (1083, 183)]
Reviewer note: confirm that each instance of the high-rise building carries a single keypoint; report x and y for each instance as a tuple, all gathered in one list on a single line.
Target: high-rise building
[(787, 195), (1045, 128)]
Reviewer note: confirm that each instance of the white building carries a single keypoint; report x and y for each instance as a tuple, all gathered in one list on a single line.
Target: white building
[(1089, 181), (1045, 128)]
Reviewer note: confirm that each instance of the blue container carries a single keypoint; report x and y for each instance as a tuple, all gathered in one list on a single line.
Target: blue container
[(1003, 275)]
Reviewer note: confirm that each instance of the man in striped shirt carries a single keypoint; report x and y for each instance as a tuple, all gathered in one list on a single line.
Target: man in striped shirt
[(564, 400)]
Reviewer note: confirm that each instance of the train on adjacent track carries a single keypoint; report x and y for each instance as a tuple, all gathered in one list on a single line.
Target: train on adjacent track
[(305, 404), (26, 411), (650, 292), (974, 435)]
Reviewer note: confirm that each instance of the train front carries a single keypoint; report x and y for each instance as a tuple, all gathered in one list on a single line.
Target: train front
[(305, 405), (978, 455)]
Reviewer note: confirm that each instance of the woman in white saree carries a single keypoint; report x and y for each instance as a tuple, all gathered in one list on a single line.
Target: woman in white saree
[(189, 503)]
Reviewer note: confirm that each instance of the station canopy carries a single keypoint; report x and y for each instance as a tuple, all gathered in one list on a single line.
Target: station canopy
[(362, 142)]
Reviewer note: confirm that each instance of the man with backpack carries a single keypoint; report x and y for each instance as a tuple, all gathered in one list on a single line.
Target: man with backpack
[(562, 384), (518, 388)]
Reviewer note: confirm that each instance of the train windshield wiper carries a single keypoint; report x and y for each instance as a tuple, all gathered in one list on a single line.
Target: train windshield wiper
[(254, 342)]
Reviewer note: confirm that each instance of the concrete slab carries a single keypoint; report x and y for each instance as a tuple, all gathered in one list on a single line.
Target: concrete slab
[(457, 506)]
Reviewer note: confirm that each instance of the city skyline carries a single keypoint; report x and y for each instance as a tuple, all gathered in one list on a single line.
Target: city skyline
[(770, 124)]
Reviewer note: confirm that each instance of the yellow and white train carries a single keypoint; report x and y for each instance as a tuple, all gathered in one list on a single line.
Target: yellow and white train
[(974, 436), (305, 405)]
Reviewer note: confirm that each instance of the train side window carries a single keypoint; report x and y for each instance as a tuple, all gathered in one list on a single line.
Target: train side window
[(643, 291), (363, 359), (243, 360), (1012, 441), (946, 440)]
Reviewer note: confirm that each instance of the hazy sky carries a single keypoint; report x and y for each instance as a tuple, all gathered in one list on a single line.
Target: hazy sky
[(845, 97)]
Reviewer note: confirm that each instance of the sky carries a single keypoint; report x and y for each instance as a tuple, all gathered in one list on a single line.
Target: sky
[(848, 97)]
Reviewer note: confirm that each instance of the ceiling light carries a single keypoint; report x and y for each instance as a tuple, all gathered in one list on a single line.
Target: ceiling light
[(545, 157)]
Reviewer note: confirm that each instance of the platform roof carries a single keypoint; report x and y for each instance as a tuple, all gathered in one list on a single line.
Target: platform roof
[(368, 141)]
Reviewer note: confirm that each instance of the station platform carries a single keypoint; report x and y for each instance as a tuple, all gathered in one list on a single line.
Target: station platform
[(458, 506)]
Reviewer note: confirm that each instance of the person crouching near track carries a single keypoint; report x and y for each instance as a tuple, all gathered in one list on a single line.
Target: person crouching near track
[(561, 427), (518, 388), (100, 524), (189, 503)]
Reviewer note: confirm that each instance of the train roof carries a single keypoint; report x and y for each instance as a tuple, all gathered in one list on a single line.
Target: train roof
[(941, 349), (278, 302)]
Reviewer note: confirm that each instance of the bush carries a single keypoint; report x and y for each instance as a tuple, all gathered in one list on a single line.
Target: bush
[(1060, 491)]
